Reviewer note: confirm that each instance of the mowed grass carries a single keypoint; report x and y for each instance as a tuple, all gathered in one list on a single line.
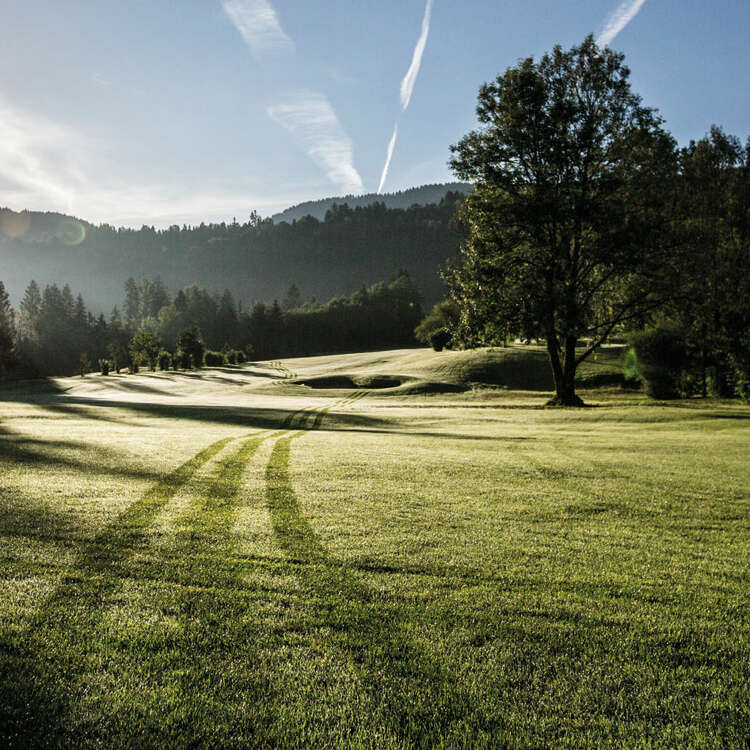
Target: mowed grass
[(206, 563)]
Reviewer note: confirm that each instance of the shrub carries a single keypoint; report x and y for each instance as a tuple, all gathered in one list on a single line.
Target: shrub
[(214, 359), (165, 360), (84, 365), (658, 357), (104, 366), (440, 339), (190, 343), (443, 317), (241, 358), (184, 360)]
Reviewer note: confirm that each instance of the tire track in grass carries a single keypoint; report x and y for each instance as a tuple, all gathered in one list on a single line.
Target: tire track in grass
[(416, 702), (302, 416), (201, 683), (37, 668)]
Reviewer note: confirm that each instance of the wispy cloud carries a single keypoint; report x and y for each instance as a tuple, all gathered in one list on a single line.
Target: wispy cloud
[(389, 156), (407, 85), (618, 20), (310, 118), (48, 167), (36, 160), (257, 22)]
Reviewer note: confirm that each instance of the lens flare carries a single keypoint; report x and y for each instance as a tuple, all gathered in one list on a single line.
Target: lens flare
[(14, 224), (71, 232)]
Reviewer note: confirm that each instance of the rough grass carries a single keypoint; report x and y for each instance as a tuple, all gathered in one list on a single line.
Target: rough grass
[(238, 564)]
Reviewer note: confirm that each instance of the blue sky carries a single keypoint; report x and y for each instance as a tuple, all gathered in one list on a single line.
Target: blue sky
[(167, 111)]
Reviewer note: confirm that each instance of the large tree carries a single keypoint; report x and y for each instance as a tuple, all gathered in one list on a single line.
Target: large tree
[(565, 228)]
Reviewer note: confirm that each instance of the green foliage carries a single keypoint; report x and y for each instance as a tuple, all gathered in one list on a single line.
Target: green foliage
[(255, 260), (144, 348), (563, 228), (711, 227), (118, 355), (165, 360), (443, 317), (84, 364), (7, 333), (440, 339), (214, 359), (739, 360), (190, 347), (658, 357), (104, 366)]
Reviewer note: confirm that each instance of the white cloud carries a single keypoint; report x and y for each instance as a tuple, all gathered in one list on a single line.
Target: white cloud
[(257, 22), (389, 156), (45, 166), (311, 120), (36, 160), (410, 79), (618, 20)]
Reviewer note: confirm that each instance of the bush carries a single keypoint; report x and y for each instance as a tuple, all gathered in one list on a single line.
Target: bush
[(444, 317), (440, 339), (165, 360), (214, 359), (104, 366), (191, 345), (84, 365), (658, 357), (241, 358), (184, 360)]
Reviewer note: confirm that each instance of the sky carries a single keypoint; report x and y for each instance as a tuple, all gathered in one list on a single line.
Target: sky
[(165, 112)]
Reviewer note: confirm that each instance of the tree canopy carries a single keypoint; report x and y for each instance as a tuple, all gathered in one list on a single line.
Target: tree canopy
[(565, 232)]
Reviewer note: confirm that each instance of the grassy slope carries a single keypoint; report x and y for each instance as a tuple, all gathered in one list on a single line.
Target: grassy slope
[(230, 560)]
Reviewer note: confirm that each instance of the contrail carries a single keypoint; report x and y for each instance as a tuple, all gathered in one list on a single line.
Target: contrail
[(386, 166), (310, 118), (257, 22), (407, 85), (618, 20)]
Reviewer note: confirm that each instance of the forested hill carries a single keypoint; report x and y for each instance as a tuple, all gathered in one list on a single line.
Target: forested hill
[(421, 196), (257, 260)]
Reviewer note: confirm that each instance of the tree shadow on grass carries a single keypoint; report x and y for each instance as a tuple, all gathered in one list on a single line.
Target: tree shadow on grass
[(415, 701), (40, 670), (21, 449), (241, 416)]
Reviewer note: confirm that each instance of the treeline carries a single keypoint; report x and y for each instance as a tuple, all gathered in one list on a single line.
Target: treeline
[(348, 248), (689, 330), (53, 333)]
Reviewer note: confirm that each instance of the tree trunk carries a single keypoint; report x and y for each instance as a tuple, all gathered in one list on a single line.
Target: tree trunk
[(564, 372)]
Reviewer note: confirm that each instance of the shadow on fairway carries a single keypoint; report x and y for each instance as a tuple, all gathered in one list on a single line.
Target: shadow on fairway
[(41, 669), (240, 416), (20, 449), (414, 699)]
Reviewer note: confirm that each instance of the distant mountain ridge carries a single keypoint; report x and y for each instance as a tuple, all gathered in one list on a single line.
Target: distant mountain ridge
[(351, 248), (421, 196)]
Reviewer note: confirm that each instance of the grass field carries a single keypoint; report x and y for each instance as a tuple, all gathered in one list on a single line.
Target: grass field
[(260, 557)]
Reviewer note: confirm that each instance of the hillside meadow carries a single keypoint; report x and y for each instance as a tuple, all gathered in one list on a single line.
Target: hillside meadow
[(396, 549)]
